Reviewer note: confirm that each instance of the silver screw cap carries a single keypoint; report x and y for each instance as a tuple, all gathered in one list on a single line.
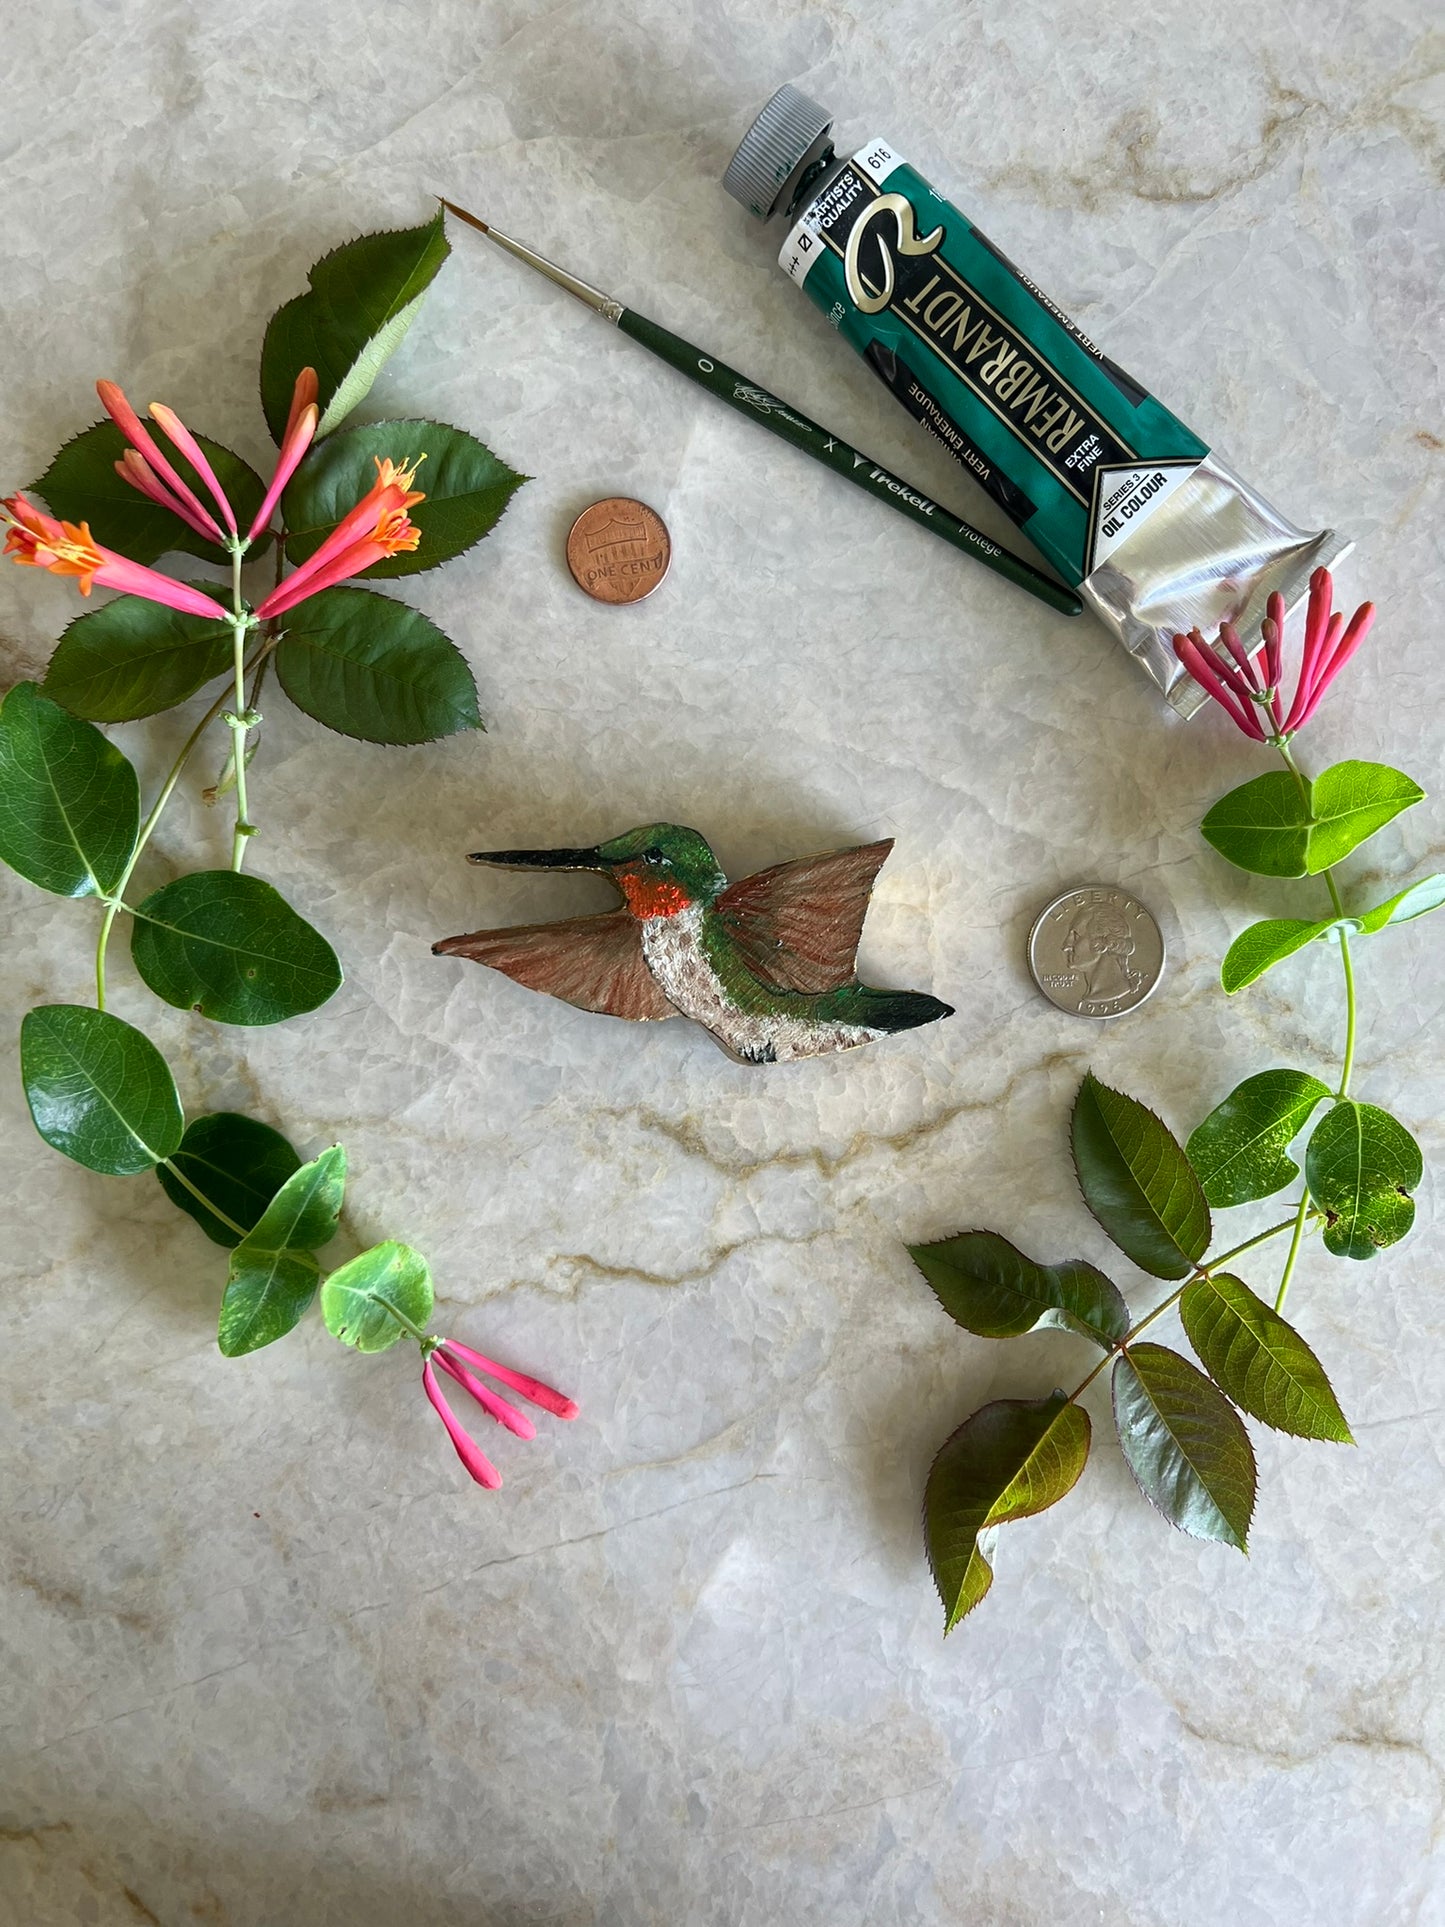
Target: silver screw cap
[(787, 135)]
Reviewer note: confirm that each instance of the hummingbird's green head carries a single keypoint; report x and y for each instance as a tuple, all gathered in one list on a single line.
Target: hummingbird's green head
[(660, 868)]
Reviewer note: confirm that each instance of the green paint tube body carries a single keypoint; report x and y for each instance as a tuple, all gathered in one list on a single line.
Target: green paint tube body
[(1125, 501)]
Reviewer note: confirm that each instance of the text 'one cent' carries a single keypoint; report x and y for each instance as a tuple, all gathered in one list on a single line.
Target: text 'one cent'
[(618, 550)]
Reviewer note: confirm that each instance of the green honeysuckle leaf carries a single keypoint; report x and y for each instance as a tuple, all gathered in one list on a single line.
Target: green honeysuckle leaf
[(231, 947), (237, 1162), (132, 658), (362, 299), (1010, 1460), (1350, 802), (989, 1287), (1185, 1444), (273, 1274), (1263, 826), (1263, 945), (69, 801), (98, 1090), (467, 487), (369, 667), (358, 1300), (1361, 1166), (81, 485), (1138, 1182), (1415, 901), (1240, 1150), (1259, 1360)]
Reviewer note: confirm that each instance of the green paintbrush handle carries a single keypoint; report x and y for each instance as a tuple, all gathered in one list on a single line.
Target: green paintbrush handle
[(795, 427)]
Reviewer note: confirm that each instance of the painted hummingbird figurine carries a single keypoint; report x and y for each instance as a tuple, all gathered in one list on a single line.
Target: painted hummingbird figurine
[(767, 965)]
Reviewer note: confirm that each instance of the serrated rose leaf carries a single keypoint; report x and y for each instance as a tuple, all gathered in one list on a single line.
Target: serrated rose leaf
[(131, 658), (1259, 1360), (1263, 826), (231, 947), (81, 485), (466, 486), (273, 1274), (69, 800), (370, 667), (989, 1287), (1240, 1150), (1351, 801), (360, 1299), (1010, 1460), (1185, 1444), (362, 299), (1362, 1166), (237, 1162), (1138, 1182), (98, 1090)]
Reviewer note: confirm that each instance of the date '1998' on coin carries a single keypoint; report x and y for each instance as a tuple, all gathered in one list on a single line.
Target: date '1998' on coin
[(1096, 951)]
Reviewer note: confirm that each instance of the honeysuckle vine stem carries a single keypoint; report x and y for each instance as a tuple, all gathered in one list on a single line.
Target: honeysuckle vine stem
[(1347, 1061), (1199, 1271), (115, 902), (240, 716), (215, 1210)]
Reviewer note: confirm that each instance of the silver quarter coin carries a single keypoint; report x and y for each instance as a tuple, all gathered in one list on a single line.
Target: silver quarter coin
[(1096, 951)]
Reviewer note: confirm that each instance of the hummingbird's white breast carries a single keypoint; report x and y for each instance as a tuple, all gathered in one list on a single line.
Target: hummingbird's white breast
[(672, 949)]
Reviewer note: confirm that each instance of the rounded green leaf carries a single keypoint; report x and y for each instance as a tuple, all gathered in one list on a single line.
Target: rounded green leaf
[(1185, 1444), (132, 658), (362, 299), (1361, 1167), (1263, 945), (1263, 826), (81, 485), (237, 1162), (360, 1299), (467, 487), (1137, 1181), (1351, 801), (370, 667), (69, 801), (98, 1090), (1259, 1360), (273, 1275), (989, 1287), (232, 948), (1239, 1151), (1416, 901), (1010, 1460)]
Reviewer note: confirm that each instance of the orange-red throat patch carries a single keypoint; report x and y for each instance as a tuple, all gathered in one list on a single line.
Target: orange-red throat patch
[(651, 896)]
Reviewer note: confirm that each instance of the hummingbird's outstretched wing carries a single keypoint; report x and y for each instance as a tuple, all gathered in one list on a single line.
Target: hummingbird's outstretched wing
[(798, 924), (594, 962)]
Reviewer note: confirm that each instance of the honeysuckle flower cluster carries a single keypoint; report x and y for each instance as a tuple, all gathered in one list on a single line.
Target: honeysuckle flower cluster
[(378, 526), (1250, 691), (462, 1364)]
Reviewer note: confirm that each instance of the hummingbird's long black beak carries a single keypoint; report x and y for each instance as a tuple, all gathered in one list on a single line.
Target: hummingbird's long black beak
[(592, 859)]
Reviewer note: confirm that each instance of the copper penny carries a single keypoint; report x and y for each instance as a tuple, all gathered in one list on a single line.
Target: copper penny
[(618, 550)]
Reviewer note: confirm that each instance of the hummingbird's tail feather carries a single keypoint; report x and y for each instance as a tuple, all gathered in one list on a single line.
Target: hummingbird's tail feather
[(892, 1010)]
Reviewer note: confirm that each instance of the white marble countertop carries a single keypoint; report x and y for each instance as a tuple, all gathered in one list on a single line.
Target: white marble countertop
[(269, 1659)]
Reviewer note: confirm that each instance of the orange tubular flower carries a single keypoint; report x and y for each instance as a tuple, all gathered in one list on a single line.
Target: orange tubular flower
[(377, 527), (39, 541)]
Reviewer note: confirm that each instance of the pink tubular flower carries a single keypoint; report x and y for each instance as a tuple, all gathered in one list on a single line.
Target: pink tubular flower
[(39, 541), (1249, 691), (377, 527), (155, 475), (299, 435), (462, 1364)]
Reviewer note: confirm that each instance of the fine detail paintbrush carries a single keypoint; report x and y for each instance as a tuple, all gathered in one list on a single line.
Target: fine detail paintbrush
[(790, 424)]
